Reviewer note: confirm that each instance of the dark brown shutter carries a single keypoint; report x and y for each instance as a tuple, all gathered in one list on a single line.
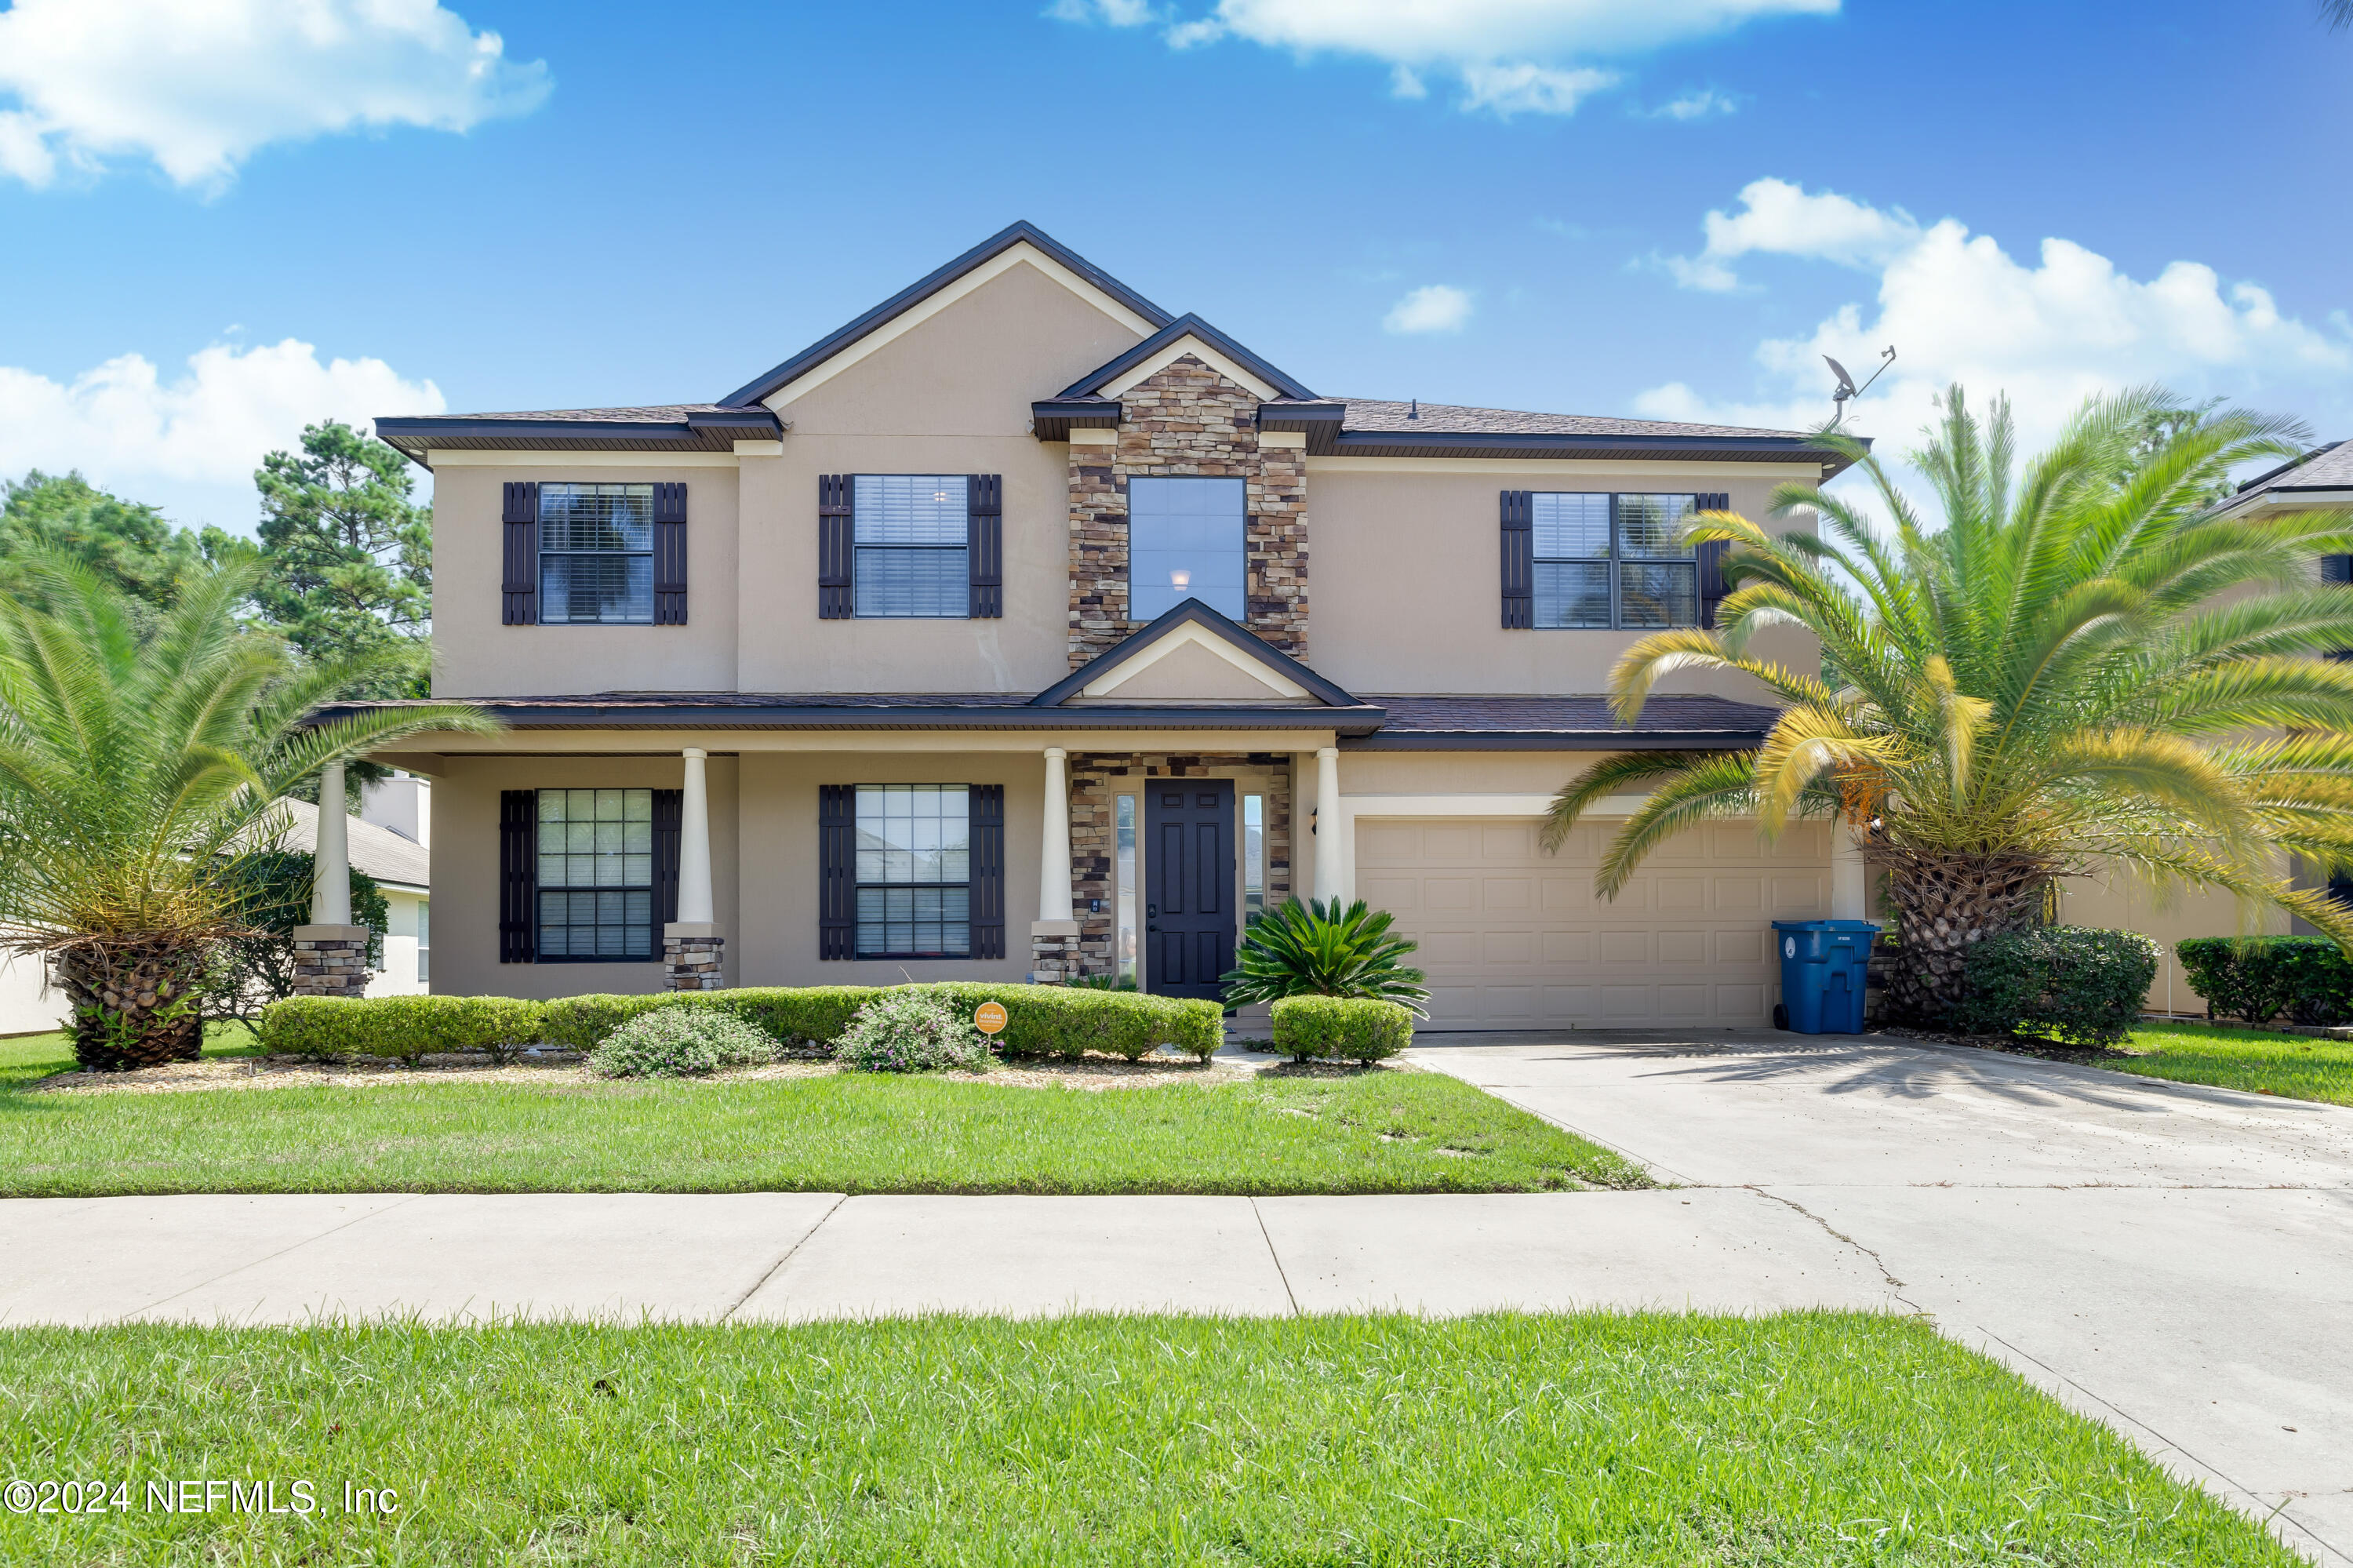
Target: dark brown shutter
[(518, 875), (1519, 561), (2336, 569), (987, 873), (1712, 586), (836, 538), (669, 554), (521, 586), (670, 809), (836, 893), (984, 538)]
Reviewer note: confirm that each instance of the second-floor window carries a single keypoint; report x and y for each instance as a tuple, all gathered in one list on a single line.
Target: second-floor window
[(911, 533), (596, 553), (1185, 541), (1613, 560)]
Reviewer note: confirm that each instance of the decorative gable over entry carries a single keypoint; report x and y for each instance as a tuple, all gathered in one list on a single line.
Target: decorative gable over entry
[(1194, 657)]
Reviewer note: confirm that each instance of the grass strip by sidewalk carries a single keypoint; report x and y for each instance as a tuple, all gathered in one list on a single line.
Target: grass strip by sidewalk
[(1804, 1439), (2294, 1067), (1385, 1132)]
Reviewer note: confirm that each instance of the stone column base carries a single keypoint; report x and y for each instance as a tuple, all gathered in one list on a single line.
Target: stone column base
[(1054, 952), (330, 960), (693, 956)]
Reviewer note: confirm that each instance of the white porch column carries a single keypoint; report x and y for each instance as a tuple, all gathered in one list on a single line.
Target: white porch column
[(1329, 828), (1054, 850), (1848, 883), (331, 860), (330, 953), (694, 845)]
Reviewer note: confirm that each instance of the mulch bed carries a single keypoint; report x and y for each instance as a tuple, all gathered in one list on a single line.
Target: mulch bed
[(564, 1068)]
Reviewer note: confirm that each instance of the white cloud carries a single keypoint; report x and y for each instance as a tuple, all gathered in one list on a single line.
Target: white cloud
[(1705, 103), (1512, 56), (1524, 89), (1959, 307), (1433, 308), (198, 85), (191, 444)]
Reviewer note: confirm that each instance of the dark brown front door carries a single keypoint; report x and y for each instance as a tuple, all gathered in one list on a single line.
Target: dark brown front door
[(1188, 885)]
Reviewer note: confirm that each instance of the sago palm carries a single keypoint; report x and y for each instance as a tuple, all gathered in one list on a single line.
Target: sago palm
[(2080, 669), (1320, 948), (135, 766)]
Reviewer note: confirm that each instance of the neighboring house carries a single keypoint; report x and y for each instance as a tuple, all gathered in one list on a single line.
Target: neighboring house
[(1020, 627), (391, 841)]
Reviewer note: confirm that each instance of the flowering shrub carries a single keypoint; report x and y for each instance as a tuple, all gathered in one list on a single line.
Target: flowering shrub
[(679, 1043), (911, 1030)]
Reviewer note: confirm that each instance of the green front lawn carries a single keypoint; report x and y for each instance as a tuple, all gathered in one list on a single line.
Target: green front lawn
[(1812, 1438), (1382, 1132), (2296, 1066)]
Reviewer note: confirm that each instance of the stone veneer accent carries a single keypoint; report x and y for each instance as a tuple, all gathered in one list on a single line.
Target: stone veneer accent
[(1096, 777), (695, 963), (330, 960), (1053, 959), (1187, 419)]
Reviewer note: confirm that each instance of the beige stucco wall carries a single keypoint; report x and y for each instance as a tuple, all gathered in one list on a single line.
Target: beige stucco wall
[(1406, 564), (475, 656), (466, 868), (951, 395), (778, 939), (2118, 901)]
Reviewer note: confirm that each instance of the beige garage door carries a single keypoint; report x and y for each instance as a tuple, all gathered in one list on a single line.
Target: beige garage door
[(1515, 939)]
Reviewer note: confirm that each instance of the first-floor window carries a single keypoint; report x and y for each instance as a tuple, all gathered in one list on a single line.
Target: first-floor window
[(595, 873), (914, 871), (1607, 560)]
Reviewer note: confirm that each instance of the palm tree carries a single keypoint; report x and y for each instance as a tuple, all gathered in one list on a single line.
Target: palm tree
[(2082, 668), (134, 771)]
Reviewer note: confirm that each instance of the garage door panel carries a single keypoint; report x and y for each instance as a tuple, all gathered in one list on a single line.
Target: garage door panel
[(1513, 937)]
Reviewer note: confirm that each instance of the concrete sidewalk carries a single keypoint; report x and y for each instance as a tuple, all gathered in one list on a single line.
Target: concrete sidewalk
[(794, 1257)]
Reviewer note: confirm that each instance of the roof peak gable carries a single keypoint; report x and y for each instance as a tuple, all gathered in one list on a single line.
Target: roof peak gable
[(1194, 621), (1115, 373), (915, 294)]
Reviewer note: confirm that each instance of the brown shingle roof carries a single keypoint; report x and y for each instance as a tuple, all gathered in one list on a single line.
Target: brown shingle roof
[(1452, 419)]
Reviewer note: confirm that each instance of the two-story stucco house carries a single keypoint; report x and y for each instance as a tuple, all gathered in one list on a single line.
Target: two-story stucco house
[(1020, 627)]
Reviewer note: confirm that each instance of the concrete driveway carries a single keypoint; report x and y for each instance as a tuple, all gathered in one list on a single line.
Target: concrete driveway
[(2173, 1260)]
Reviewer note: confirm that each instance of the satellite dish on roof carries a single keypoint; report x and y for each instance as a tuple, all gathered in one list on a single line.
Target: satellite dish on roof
[(1846, 386)]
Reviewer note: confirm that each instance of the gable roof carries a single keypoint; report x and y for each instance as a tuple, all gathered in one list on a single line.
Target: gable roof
[(1092, 383), (1193, 613), (1021, 233)]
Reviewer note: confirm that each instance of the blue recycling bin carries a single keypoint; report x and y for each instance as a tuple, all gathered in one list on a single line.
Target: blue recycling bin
[(1825, 965)]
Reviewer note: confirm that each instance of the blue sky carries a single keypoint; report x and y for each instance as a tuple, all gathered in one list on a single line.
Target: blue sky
[(1504, 202)]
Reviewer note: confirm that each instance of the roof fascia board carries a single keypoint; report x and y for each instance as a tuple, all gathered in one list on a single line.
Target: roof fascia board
[(1354, 719), (1192, 611), (1562, 740), (1188, 636), (835, 352), (559, 457)]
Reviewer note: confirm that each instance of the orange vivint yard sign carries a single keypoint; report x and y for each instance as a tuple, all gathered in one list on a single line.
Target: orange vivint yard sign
[(989, 1018)]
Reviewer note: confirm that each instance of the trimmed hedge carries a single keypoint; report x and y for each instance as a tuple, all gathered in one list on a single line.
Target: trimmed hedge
[(1042, 1020), (402, 1026), (2259, 978), (1346, 1028), (2069, 982)]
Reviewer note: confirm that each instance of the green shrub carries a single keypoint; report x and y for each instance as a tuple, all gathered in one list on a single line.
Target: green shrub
[(2068, 983), (1341, 1028), (679, 1043), (1104, 982), (582, 1022), (2259, 978), (1070, 1021), (402, 1026), (793, 1015), (1319, 948), (911, 1029)]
